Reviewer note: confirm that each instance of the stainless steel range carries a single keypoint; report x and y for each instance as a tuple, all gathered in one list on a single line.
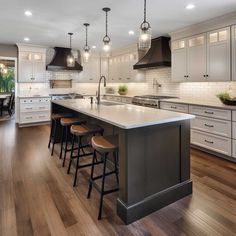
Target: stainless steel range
[(150, 100)]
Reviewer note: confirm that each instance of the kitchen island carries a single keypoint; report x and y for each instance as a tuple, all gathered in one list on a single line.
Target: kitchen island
[(154, 153)]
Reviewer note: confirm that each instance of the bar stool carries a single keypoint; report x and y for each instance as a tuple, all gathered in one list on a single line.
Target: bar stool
[(80, 132), (55, 118), (66, 123), (104, 146)]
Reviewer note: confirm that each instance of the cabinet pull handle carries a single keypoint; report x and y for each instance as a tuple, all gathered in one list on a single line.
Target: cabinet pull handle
[(174, 107), (29, 117), (211, 142), (29, 108), (42, 107), (210, 126), (209, 112), (204, 76)]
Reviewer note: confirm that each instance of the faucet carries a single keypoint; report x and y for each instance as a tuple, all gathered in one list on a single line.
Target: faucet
[(99, 85)]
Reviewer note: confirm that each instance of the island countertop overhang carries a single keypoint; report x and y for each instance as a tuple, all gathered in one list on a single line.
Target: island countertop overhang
[(124, 116)]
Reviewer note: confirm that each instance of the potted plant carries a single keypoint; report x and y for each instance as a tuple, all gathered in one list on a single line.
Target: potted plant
[(123, 89)]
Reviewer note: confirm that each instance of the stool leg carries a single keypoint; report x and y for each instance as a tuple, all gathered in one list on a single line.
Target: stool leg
[(54, 135), (77, 162), (91, 175), (50, 137), (102, 189), (71, 154), (66, 145), (62, 139), (116, 167)]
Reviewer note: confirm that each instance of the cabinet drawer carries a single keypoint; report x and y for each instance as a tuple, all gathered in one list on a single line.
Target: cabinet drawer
[(234, 148), (42, 116), (27, 107), (211, 142), (210, 112), (34, 117), (218, 127), (34, 100), (174, 107), (126, 100)]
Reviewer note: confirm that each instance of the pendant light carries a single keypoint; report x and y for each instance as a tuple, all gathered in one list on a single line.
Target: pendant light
[(86, 53), (106, 40), (145, 37), (70, 57)]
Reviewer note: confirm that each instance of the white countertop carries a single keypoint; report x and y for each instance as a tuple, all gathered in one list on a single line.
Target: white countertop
[(124, 116), (215, 104)]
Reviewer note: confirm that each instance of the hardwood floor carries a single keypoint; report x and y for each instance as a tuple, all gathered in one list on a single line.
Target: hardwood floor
[(37, 197)]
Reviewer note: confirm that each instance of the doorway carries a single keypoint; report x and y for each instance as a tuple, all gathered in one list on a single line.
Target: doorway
[(8, 83)]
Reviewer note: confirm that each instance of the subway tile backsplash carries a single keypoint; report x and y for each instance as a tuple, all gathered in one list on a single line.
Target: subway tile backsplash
[(190, 90)]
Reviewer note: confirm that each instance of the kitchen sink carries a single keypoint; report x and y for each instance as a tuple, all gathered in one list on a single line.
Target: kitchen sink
[(106, 103)]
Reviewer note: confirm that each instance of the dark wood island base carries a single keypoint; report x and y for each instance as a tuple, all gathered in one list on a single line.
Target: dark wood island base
[(154, 165)]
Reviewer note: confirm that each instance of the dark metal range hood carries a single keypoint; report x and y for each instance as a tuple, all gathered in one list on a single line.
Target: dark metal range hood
[(59, 61), (159, 55)]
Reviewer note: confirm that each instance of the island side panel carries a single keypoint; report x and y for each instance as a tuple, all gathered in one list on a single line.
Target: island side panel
[(154, 168)]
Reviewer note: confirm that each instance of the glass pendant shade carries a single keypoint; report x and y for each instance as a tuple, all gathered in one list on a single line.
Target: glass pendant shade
[(70, 58), (86, 54), (70, 61), (145, 38)]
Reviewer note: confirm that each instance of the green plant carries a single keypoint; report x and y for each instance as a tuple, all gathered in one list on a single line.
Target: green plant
[(7, 81), (123, 88), (224, 96)]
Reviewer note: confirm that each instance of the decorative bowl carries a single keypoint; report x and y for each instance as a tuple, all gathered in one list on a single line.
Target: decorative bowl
[(231, 102), (122, 92)]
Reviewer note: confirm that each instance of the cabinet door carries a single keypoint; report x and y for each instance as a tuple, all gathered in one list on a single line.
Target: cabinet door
[(104, 66), (25, 71), (233, 37), (179, 60), (218, 55), (196, 56), (39, 69)]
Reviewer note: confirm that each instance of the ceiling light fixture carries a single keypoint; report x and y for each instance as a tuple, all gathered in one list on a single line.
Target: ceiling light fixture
[(190, 6), (86, 53), (26, 39), (70, 57), (94, 47), (28, 13), (145, 37), (131, 32), (106, 40)]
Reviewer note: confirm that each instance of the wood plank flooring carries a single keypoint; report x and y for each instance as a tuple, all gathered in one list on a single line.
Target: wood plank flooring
[(37, 197)]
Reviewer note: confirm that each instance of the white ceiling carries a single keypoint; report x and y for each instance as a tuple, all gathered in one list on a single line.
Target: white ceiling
[(53, 19)]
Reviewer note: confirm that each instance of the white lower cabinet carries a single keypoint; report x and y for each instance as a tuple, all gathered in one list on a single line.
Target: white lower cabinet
[(212, 142), (127, 100), (214, 126), (34, 110), (174, 107)]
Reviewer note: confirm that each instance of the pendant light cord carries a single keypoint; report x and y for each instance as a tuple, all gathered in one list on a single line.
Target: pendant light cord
[(106, 23), (86, 36), (70, 40), (145, 12)]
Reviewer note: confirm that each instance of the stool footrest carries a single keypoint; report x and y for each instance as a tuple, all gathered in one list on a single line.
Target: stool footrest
[(82, 155), (104, 192), (100, 176), (87, 165)]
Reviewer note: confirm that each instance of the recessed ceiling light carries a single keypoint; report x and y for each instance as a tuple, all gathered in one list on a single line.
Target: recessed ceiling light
[(190, 6), (131, 32), (26, 39), (28, 13), (94, 46)]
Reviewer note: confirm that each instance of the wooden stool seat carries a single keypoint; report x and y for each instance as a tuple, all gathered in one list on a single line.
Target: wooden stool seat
[(71, 121), (82, 130), (105, 144), (58, 116)]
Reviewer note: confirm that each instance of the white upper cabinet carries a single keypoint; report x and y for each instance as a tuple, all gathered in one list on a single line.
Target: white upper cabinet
[(121, 68), (91, 70), (196, 58), (203, 57), (32, 64), (218, 55), (233, 38), (179, 60)]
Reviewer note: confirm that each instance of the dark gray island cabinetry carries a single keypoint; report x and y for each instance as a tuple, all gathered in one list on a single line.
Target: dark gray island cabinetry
[(154, 153)]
